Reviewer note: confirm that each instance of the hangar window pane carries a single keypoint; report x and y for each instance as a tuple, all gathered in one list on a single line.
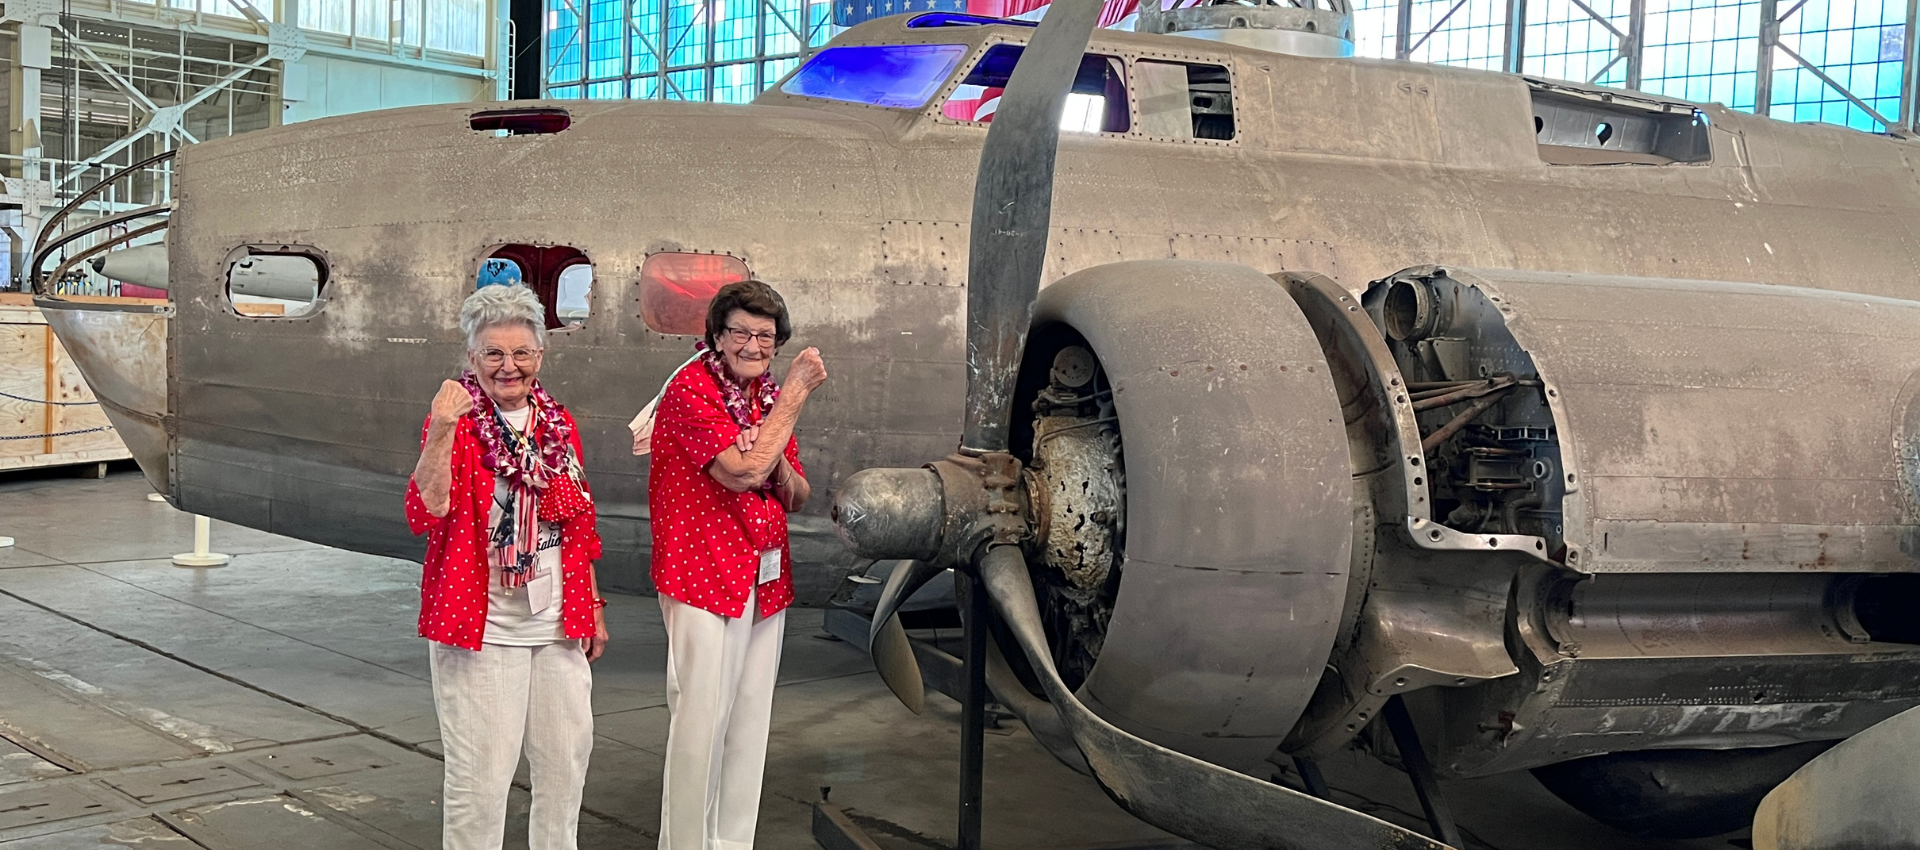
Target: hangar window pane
[(560, 275), (733, 83), (1097, 103), (774, 70), (282, 284), (1184, 101), (687, 85), (675, 288)]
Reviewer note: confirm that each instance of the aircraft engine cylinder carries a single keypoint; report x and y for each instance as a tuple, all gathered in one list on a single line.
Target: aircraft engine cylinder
[(1074, 480)]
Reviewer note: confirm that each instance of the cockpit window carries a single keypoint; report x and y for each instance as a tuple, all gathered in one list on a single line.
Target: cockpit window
[(1097, 104), (899, 76)]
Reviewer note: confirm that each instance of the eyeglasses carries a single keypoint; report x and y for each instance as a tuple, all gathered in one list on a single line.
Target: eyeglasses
[(494, 357), (742, 336)]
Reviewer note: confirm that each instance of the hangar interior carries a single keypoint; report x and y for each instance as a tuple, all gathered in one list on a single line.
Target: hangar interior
[(283, 697)]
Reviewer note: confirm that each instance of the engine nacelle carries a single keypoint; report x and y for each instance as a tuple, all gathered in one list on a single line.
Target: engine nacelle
[(1655, 514)]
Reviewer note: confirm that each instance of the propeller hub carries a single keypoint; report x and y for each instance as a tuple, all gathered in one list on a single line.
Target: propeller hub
[(889, 514), (941, 513)]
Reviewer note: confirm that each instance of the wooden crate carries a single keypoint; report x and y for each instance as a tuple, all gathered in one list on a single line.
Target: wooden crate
[(33, 365)]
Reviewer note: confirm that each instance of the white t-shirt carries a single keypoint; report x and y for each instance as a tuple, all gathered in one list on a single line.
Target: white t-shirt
[(512, 616)]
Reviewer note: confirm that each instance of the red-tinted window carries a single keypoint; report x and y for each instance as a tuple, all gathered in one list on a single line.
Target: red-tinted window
[(528, 121), (675, 288)]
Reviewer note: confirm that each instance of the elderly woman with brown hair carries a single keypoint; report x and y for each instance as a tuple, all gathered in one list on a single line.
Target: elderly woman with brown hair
[(508, 595), (726, 472)]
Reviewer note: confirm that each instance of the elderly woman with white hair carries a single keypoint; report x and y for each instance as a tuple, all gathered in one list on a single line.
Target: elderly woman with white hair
[(508, 597)]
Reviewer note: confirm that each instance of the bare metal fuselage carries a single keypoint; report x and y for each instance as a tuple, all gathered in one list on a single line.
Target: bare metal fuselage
[(1355, 169)]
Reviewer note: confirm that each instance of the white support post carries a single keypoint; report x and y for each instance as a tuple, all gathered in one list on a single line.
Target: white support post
[(202, 541)]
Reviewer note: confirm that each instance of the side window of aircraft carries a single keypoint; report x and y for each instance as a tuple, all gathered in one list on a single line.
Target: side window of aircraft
[(560, 275), (570, 302), (1179, 100), (1097, 104), (676, 286), (284, 283), (900, 76)]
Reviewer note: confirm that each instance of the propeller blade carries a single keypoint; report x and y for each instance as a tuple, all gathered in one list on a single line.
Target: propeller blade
[(1035, 713), (893, 659), (901, 584), (1012, 205), (1196, 800), (887, 640)]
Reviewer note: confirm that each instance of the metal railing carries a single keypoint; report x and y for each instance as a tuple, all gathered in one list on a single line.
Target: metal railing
[(52, 237)]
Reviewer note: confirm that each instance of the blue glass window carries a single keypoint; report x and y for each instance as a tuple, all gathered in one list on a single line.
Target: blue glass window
[(900, 76)]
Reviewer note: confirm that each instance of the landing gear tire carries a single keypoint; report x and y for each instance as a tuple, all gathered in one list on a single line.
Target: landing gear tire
[(1675, 793)]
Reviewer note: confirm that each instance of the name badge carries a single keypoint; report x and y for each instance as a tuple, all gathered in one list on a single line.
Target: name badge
[(769, 566), (540, 593)]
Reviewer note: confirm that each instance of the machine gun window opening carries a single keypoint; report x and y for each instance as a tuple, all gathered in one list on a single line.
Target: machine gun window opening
[(560, 275), (1574, 129), (1097, 103), (1180, 100), (282, 283)]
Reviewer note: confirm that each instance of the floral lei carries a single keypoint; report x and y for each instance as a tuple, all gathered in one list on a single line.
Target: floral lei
[(765, 391), (529, 463), (551, 437)]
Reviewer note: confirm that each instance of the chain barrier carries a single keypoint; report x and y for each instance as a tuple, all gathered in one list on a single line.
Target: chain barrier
[(59, 434), (46, 401)]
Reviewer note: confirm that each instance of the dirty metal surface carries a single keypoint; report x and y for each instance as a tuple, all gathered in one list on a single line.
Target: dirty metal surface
[(240, 825), (1725, 427), (179, 783), (329, 759), (32, 806), (19, 764)]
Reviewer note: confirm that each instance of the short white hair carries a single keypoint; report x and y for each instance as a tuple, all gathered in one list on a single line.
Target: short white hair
[(492, 306)]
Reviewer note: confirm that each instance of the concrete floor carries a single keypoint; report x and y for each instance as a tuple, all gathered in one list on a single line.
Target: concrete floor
[(283, 700)]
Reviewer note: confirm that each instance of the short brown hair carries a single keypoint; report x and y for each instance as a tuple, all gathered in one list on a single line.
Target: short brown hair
[(755, 298)]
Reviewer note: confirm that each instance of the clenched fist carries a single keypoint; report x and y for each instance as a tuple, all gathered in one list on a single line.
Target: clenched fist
[(807, 371), (452, 402)]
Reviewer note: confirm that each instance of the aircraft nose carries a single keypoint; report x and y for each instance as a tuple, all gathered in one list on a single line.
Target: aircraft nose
[(121, 350)]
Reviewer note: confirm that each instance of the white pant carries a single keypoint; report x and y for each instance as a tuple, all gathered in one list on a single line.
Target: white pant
[(720, 678), (489, 702)]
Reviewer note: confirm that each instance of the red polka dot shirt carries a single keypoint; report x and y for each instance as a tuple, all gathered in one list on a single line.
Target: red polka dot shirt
[(707, 539), (453, 585)]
